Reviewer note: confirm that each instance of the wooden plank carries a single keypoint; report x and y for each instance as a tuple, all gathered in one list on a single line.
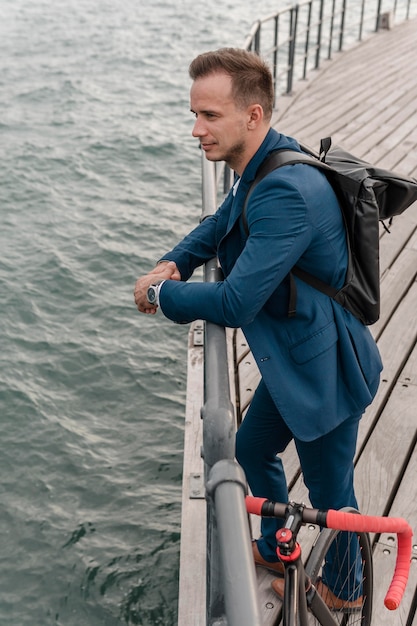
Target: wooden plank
[(386, 551), (382, 462), (409, 373), (241, 345), (388, 129), (249, 378), (322, 102), (322, 111), (192, 584), (233, 380), (372, 104), (408, 163), (394, 345), (395, 283), (384, 563), (269, 602), (394, 287), (402, 234)]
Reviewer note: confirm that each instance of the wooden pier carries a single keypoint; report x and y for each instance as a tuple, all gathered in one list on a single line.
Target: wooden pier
[(366, 99)]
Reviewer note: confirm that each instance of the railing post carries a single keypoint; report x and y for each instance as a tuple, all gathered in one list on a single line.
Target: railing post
[(218, 444), (209, 187), (378, 13), (217, 414), (258, 39), (319, 35), (226, 487), (361, 21), (342, 25), (330, 46), (275, 56), (232, 598), (292, 48), (307, 41)]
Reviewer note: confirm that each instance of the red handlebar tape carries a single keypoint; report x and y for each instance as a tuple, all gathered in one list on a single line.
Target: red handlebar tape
[(254, 505), (339, 520), (366, 523)]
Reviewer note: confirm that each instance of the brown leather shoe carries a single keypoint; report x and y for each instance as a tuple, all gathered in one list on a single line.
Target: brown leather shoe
[(277, 567), (333, 602), (338, 604)]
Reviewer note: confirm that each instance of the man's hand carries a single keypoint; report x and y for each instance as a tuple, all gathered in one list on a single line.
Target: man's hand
[(167, 266), (166, 270)]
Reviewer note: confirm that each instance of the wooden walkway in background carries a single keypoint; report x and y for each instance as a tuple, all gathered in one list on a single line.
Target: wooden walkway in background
[(366, 99)]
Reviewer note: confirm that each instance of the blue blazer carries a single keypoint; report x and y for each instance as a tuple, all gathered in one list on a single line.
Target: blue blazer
[(321, 366)]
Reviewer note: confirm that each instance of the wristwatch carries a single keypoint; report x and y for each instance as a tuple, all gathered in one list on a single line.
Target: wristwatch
[(153, 293)]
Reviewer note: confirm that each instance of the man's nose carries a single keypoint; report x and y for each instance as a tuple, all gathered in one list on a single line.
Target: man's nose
[(198, 129)]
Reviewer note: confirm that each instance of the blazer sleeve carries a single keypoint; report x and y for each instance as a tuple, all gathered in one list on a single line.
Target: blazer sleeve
[(200, 245), (279, 232)]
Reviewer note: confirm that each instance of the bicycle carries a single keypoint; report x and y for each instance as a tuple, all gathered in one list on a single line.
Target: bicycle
[(342, 554)]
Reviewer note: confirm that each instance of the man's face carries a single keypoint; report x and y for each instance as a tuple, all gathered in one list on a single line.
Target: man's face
[(220, 126)]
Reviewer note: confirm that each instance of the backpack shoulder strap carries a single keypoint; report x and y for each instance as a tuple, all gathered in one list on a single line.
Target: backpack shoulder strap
[(277, 159)]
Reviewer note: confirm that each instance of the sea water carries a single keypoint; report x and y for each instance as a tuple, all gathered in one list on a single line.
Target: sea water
[(99, 176)]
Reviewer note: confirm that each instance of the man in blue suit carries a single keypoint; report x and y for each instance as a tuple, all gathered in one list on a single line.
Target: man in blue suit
[(320, 368)]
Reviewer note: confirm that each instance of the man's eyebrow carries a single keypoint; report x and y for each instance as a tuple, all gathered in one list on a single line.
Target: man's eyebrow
[(205, 112)]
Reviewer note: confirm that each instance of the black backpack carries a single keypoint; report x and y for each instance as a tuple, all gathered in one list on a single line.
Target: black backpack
[(367, 195)]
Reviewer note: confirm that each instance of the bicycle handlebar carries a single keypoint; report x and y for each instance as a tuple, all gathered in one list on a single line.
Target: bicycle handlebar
[(368, 523), (341, 520)]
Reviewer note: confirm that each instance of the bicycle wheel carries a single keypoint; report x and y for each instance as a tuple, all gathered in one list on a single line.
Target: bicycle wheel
[(342, 562)]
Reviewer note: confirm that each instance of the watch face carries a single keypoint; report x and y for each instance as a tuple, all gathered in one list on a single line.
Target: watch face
[(151, 295)]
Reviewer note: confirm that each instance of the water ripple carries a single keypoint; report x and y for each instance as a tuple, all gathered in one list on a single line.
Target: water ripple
[(99, 175)]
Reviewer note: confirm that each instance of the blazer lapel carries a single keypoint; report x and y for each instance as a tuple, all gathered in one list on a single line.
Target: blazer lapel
[(237, 204)]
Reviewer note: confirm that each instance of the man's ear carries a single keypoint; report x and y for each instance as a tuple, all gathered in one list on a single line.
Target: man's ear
[(255, 116)]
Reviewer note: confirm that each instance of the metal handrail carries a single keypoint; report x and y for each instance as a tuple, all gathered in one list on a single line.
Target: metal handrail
[(301, 36), (227, 524)]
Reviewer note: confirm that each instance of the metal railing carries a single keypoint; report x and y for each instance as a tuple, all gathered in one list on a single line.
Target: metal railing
[(227, 526), (300, 37)]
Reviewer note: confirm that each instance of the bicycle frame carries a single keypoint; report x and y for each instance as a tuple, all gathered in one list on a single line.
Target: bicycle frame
[(295, 599), (300, 596), (299, 593)]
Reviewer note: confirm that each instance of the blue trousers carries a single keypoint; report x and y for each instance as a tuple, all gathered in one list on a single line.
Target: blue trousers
[(326, 462)]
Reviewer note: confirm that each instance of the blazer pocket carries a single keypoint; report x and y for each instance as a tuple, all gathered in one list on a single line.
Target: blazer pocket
[(311, 347)]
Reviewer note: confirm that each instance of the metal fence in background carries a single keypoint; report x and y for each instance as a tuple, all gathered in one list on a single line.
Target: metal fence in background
[(299, 37)]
